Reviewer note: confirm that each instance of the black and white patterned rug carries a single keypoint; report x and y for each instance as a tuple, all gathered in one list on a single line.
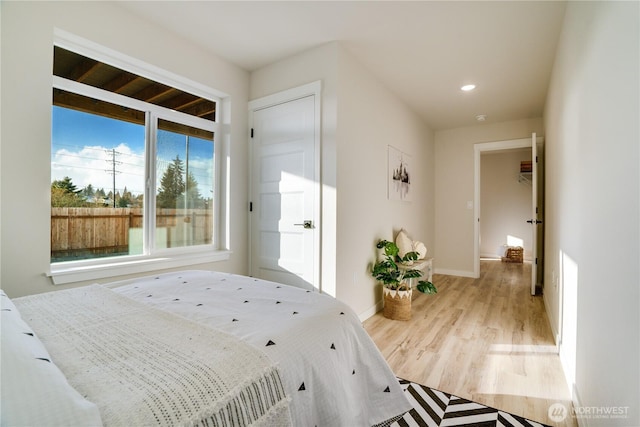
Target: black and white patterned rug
[(435, 408)]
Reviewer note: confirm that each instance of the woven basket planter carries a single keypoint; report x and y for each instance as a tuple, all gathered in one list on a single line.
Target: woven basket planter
[(397, 304)]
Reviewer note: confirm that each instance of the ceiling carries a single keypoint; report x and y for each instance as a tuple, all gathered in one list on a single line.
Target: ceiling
[(423, 51)]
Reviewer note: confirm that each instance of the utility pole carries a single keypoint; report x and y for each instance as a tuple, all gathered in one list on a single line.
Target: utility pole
[(113, 153), (186, 181)]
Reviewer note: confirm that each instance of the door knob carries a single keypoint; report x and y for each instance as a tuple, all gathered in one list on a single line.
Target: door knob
[(307, 223)]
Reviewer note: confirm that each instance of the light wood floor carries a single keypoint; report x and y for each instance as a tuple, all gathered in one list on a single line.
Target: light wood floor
[(485, 339)]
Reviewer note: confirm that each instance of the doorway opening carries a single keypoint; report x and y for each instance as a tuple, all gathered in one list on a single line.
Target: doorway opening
[(512, 220), (505, 204)]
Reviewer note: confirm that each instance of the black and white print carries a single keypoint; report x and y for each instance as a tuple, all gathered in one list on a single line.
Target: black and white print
[(400, 175)]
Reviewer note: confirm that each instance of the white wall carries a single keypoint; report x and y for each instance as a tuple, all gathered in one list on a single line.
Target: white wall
[(454, 187), (370, 118), (360, 119), (27, 58), (593, 191), (505, 202)]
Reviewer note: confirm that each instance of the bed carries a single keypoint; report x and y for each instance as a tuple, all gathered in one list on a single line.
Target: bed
[(193, 348)]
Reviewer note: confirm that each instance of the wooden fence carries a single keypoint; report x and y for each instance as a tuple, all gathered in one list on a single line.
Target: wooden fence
[(80, 233)]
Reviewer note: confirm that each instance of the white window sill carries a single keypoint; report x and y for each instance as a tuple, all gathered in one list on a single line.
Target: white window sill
[(77, 271)]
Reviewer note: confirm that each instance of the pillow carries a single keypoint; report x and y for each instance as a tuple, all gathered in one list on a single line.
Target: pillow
[(404, 243), (420, 248), (34, 390)]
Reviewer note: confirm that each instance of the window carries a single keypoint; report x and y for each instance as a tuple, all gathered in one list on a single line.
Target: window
[(184, 182), (133, 169), (97, 181)]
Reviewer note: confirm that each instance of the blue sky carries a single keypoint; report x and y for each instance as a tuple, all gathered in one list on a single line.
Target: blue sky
[(82, 148), (78, 128)]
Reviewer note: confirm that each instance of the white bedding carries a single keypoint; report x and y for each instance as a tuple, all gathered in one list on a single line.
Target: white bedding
[(331, 371), (330, 368)]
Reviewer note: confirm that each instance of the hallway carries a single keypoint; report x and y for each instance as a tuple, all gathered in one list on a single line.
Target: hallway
[(485, 339)]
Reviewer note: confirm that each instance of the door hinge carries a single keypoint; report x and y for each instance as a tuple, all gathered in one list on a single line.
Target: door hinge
[(251, 132), (250, 206)]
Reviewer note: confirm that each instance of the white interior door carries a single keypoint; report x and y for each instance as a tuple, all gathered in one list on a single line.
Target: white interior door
[(536, 213), (284, 202)]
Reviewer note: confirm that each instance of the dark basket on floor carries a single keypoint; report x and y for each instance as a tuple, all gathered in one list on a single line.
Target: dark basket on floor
[(513, 255)]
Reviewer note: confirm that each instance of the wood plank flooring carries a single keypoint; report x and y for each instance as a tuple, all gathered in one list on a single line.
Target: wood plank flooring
[(485, 339)]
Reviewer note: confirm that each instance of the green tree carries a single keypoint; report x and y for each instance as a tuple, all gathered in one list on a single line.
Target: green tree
[(66, 184), (64, 194), (193, 194), (124, 201), (172, 185), (88, 191)]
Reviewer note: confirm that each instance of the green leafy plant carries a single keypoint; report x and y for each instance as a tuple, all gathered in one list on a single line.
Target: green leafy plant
[(394, 271)]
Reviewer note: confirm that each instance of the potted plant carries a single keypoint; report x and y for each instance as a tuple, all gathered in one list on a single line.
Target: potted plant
[(395, 272)]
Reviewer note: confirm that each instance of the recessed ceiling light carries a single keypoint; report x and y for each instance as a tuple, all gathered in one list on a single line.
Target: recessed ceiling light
[(481, 117), (467, 88)]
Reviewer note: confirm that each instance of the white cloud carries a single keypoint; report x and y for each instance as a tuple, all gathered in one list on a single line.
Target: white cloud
[(94, 165)]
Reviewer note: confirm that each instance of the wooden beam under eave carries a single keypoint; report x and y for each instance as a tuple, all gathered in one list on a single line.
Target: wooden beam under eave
[(181, 129), (152, 92), (83, 70), (202, 108), (119, 84), (179, 101), (85, 104), (187, 106)]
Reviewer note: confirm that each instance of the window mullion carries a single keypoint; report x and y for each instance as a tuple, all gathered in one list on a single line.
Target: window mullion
[(150, 198)]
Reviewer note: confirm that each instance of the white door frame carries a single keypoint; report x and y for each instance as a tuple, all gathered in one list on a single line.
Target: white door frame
[(315, 89), (478, 149)]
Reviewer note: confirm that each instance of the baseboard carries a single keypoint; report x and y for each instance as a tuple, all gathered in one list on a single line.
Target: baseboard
[(489, 255), (370, 312), (576, 402), (494, 256), (458, 273)]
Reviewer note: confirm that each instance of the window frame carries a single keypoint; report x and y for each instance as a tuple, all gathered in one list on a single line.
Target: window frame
[(152, 258)]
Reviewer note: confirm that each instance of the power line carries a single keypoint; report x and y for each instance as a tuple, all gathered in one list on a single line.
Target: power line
[(86, 147), (64, 165)]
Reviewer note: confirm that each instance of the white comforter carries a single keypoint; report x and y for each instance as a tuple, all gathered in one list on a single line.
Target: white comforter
[(330, 367)]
